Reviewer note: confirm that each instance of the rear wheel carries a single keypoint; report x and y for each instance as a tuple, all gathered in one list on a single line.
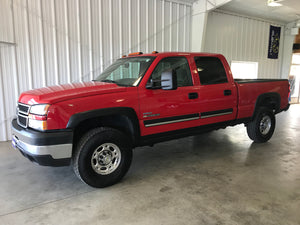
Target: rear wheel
[(262, 127), (103, 157)]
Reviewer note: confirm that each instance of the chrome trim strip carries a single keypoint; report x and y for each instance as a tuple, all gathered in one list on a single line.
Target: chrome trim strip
[(217, 114), (61, 151), (172, 121)]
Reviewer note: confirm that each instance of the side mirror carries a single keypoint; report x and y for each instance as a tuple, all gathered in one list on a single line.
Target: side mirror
[(169, 80)]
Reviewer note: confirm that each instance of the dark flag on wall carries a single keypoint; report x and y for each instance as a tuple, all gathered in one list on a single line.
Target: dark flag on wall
[(274, 39)]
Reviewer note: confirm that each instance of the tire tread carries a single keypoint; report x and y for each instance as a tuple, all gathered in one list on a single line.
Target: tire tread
[(105, 131), (252, 127)]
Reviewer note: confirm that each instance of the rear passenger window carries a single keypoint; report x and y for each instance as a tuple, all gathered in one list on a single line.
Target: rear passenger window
[(210, 70)]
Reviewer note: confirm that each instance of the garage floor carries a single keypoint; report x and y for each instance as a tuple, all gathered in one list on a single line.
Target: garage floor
[(215, 178)]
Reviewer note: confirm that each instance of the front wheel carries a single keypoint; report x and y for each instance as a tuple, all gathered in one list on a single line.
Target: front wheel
[(103, 157), (262, 127)]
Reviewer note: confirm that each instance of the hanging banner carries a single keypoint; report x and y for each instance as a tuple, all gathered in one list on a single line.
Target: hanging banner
[(274, 39)]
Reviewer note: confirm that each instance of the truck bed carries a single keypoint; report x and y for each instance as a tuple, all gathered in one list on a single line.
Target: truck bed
[(250, 89)]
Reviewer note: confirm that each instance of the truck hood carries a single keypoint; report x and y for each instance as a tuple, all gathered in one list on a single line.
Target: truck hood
[(68, 91)]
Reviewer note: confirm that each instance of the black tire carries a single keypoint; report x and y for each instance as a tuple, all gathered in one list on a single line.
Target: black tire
[(262, 127), (93, 153)]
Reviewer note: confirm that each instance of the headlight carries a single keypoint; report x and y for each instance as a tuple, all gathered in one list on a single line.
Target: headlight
[(41, 109), (37, 118)]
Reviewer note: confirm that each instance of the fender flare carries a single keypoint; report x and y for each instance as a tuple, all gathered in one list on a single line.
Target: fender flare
[(130, 113), (275, 98)]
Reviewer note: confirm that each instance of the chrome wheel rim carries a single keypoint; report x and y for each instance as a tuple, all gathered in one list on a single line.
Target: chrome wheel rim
[(106, 158), (265, 125)]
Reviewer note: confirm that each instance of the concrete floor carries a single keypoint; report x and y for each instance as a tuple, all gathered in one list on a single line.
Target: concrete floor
[(215, 178)]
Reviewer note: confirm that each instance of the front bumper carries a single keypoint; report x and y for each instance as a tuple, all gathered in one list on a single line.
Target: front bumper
[(44, 148)]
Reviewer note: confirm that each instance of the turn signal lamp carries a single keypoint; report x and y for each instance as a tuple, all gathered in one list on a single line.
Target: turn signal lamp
[(37, 117), (135, 53)]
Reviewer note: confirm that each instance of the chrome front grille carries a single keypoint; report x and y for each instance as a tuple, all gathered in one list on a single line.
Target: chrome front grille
[(22, 114)]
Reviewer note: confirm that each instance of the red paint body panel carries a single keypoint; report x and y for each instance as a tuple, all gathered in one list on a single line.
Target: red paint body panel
[(249, 92), (67, 100), (60, 113), (64, 92)]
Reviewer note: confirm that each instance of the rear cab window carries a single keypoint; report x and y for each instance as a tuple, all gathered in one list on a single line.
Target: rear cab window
[(210, 70)]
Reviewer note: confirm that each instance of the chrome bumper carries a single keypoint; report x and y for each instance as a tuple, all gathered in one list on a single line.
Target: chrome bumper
[(48, 149)]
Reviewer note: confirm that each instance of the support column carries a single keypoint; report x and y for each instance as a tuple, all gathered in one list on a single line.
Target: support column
[(288, 42), (199, 19), (200, 11)]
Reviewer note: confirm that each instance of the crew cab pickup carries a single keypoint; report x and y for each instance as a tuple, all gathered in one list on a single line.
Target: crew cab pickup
[(141, 99)]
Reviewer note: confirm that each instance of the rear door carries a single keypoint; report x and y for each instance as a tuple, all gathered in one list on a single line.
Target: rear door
[(217, 91)]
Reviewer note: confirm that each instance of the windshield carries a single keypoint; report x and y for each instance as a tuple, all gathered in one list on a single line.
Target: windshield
[(126, 71)]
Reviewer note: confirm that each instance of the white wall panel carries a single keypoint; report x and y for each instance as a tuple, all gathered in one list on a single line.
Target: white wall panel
[(23, 52), (60, 41), (3, 117), (8, 94), (187, 27), (36, 43), (49, 40), (243, 39), (96, 54), (6, 34)]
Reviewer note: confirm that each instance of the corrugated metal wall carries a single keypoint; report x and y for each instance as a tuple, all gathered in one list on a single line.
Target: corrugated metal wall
[(60, 41), (243, 39), (8, 69)]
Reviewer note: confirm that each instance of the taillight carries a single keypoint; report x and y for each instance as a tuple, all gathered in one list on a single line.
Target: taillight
[(289, 95)]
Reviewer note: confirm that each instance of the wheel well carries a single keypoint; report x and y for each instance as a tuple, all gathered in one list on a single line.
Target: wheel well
[(120, 122), (271, 103), (269, 100)]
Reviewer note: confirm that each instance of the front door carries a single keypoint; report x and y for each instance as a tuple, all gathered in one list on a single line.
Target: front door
[(168, 110)]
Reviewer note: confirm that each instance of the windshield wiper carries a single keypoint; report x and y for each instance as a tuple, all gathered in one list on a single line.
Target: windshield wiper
[(108, 81)]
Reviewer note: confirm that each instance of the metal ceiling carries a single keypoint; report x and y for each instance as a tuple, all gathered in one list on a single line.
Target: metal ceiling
[(288, 12)]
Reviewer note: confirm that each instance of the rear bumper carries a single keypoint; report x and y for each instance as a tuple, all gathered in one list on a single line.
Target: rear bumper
[(285, 109), (44, 148)]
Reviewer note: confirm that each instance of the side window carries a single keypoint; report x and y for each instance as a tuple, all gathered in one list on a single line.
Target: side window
[(210, 70), (181, 67)]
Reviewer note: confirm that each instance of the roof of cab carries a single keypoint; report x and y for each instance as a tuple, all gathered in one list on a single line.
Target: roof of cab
[(138, 54)]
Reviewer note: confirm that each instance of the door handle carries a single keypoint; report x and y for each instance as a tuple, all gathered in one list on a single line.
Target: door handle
[(193, 95), (227, 92)]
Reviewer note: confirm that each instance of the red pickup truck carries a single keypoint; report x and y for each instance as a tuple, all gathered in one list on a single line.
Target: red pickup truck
[(139, 100)]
